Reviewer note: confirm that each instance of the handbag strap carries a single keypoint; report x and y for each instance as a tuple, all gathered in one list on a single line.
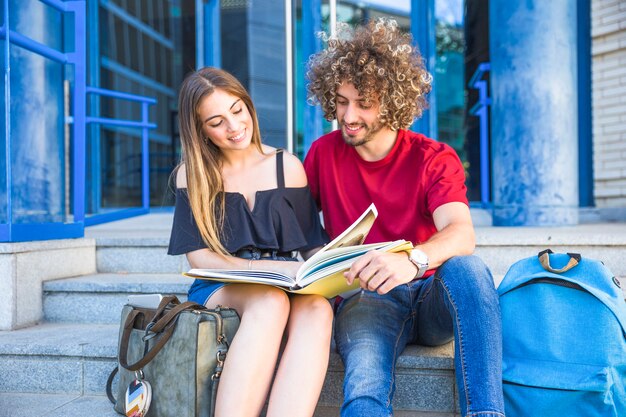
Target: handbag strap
[(164, 325)]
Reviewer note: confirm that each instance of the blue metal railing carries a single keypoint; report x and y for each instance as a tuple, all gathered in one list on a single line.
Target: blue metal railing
[(481, 109), (72, 227), (144, 124)]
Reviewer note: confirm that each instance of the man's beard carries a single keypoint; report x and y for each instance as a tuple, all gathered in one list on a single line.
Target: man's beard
[(370, 132)]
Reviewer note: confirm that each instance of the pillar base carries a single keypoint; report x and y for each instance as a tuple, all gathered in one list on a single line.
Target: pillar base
[(24, 266), (520, 215)]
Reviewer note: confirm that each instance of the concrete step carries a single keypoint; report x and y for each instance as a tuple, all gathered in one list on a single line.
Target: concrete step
[(58, 358), (499, 247), (55, 405), (137, 255), (62, 405), (75, 360), (99, 298)]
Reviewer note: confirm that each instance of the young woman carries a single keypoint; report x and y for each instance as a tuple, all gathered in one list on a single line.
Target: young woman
[(244, 205)]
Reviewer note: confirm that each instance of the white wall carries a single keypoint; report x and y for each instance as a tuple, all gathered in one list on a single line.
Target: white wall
[(608, 32)]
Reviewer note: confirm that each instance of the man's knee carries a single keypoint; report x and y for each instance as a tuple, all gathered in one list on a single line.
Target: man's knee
[(465, 270), (370, 319), (467, 277), (470, 264)]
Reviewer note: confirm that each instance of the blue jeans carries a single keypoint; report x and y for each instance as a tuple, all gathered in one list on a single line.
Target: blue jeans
[(459, 301)]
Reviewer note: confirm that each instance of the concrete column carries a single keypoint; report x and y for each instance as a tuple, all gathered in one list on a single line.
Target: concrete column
[(534, 129), (37, 117)]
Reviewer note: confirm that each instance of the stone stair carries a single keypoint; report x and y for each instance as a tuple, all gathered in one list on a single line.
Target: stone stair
[(59, 367)]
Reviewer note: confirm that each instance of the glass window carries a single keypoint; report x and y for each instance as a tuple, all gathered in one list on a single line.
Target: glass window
[(449, 76), (140, 50)]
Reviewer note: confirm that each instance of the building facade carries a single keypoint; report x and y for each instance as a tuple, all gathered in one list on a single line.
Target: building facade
[(530, 95), (608, 37)]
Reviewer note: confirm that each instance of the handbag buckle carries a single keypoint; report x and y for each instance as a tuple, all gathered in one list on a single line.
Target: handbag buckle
[(147, 334), (220, 357)]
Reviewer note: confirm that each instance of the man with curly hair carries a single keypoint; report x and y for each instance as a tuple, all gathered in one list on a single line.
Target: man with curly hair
[(373, 81)]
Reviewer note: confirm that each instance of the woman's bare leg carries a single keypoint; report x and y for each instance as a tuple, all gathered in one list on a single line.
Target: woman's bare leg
[(304, 361), (252, 355)]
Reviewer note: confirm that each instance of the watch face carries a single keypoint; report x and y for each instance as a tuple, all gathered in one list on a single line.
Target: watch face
[(419, 256)]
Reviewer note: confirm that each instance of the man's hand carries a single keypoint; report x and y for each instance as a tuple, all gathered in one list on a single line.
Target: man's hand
[(381, 271)]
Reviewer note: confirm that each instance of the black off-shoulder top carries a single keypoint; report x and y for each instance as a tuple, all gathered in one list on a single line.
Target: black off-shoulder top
[(283, 219)]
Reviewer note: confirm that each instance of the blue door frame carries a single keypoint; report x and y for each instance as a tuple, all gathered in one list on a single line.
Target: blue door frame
[(73, 226)]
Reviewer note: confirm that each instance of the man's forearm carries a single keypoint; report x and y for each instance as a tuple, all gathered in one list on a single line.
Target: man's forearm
[(453, 240)]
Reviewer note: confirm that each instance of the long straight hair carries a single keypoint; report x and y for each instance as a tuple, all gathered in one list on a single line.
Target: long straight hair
[(202, 159)]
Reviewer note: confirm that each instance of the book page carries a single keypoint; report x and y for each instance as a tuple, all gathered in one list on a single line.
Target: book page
[(242, 276), (357, 232), (352, 236)]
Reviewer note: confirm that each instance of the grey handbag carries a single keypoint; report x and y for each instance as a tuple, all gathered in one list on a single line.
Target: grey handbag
[(179, 348)]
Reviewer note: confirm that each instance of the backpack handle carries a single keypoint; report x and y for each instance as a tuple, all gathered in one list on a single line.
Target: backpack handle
[(544, 260)]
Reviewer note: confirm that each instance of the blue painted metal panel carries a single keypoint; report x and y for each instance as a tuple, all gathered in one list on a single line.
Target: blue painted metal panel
[(135, 76), (390, 9), (24, 232), (120, 95), (5, 232), (38, 230), (312, 125), (144, 124), (145, 157), (585, 128), (36, 47), (79, 102), (133, 21), (120, 122), (6, 210), (212, 34), (59, 5), (200, 36), (93, 191), (37, 181), (423, 31), (534, 114), (481, 109), (115, 215)]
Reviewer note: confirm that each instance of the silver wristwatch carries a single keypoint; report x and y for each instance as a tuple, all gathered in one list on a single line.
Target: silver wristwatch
[(420, 260)]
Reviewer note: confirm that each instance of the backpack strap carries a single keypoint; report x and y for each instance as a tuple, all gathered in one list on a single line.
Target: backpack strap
[(280, 171)]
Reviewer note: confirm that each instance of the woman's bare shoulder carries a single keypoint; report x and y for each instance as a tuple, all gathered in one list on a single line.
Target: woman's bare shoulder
[(294, 171), (181, 176)]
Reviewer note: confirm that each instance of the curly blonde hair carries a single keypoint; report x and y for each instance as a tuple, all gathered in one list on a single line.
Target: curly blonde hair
[(381, 62)]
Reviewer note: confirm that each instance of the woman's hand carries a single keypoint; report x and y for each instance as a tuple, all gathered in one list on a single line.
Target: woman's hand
[(290, 268)]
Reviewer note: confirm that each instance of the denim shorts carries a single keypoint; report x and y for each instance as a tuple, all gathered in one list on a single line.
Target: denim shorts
[(201, 289)]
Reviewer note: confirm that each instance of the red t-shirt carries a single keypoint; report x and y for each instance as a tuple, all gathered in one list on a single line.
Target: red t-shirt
[(417, 176)]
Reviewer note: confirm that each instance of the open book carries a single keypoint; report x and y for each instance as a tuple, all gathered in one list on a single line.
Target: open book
[(322, 273)]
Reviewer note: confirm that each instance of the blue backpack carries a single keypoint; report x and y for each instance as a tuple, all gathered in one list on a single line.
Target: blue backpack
[(564, 338)]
